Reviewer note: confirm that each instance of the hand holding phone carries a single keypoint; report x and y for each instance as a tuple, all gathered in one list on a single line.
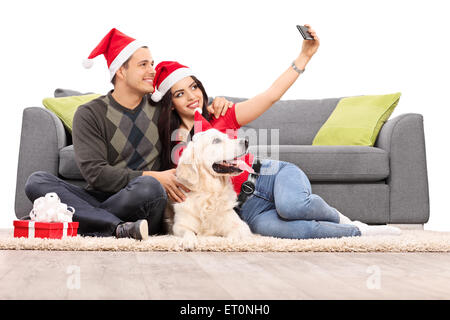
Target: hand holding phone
[(304, 32)]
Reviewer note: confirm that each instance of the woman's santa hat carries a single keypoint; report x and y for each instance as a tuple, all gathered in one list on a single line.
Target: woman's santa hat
[(167, 74), (117, 48)]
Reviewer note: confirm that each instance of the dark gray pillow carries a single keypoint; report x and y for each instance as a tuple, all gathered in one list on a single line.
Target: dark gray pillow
[(66, 93)]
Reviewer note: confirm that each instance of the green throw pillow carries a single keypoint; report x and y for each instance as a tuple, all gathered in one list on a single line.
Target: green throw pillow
[(357, 120), (65, 107)]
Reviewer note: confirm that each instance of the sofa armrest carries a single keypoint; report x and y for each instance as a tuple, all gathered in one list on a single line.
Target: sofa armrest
[(42, 137), (403, 138)]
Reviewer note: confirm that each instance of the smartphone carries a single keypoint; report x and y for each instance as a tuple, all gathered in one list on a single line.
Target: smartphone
[(304, 32)]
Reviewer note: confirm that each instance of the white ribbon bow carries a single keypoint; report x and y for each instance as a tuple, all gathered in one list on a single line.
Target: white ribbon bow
[(50, 209)]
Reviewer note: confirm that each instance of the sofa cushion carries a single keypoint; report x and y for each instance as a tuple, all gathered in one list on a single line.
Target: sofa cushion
[(320, 163), (331, 163), (65, 107), (357, 120), (289, 122), (68, 168)]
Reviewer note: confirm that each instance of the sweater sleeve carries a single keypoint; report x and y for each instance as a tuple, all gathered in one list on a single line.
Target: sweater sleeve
[(91, 154)]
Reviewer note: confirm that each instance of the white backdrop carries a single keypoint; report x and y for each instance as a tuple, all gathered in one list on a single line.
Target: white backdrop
[(237, 48)]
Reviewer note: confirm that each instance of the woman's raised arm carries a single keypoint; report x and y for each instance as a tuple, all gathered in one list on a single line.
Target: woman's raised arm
[(252, 108)]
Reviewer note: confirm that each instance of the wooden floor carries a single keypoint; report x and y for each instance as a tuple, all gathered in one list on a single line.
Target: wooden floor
[(200, 275)]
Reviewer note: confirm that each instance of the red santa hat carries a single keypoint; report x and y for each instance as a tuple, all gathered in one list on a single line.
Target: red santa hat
[(116, 47), (167, 74), (200, 123)]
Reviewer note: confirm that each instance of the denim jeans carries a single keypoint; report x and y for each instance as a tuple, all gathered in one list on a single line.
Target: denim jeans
[(283, 206), (99, 213)]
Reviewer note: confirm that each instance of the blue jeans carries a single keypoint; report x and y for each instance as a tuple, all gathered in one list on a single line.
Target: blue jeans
[(283, 206), (99, 213)]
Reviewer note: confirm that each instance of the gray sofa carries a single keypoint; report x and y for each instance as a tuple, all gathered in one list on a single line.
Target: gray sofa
[(384, 184)]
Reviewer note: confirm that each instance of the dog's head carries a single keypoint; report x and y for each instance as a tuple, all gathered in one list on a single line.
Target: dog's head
[(213, 153)]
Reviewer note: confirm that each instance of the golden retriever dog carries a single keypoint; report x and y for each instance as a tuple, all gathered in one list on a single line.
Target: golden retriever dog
[(205, 167)]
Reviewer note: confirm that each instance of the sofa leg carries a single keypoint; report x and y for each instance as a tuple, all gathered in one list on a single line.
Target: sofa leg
[(407, 226)]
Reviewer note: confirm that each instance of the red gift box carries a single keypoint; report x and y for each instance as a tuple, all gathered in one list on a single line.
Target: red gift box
[(52, 230)]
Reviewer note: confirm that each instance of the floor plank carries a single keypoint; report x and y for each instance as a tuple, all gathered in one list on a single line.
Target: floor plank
[(249, 276), (170, 275), (232, 275)]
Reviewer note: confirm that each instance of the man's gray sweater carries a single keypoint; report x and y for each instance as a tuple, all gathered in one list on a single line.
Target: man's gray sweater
[(114, 144)]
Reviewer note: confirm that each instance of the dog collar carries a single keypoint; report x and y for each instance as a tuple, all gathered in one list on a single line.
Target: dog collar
[(248, 187)]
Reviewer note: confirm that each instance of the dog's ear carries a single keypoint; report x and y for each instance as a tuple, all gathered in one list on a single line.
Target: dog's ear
[(187, 170)]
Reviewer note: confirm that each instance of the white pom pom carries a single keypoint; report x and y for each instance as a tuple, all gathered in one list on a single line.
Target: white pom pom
[(156, 96), (88, 63), (198, 109)]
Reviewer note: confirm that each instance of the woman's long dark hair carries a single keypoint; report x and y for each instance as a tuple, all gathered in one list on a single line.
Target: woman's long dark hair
[(169, 121)]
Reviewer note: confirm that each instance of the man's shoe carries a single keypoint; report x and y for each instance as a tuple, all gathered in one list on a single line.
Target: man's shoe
[(137, 230)]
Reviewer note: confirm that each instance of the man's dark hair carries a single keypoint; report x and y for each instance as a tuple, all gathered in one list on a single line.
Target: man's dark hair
[(125, 65)]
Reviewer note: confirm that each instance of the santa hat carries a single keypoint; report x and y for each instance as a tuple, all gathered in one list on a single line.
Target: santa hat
[(116, 47), (167, 74), (200, 123)]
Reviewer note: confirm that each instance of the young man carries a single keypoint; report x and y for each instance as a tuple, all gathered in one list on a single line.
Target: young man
[(117, 146)]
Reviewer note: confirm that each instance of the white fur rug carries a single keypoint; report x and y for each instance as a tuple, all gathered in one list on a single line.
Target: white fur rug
[(408, 241)]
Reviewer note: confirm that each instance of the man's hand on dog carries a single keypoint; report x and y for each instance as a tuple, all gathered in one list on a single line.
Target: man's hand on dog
[(219, 107), (169, 182)]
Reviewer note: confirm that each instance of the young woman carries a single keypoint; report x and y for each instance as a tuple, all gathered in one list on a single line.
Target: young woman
[(282, 205)]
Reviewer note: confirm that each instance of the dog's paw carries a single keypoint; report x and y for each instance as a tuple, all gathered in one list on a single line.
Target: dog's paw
[(189, 241)]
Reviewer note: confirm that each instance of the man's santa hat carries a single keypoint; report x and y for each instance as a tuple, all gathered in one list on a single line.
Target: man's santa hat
[(116, 47), (167, 74)]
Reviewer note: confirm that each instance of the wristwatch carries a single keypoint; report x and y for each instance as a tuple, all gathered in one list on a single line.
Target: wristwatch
[(297, 69)]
